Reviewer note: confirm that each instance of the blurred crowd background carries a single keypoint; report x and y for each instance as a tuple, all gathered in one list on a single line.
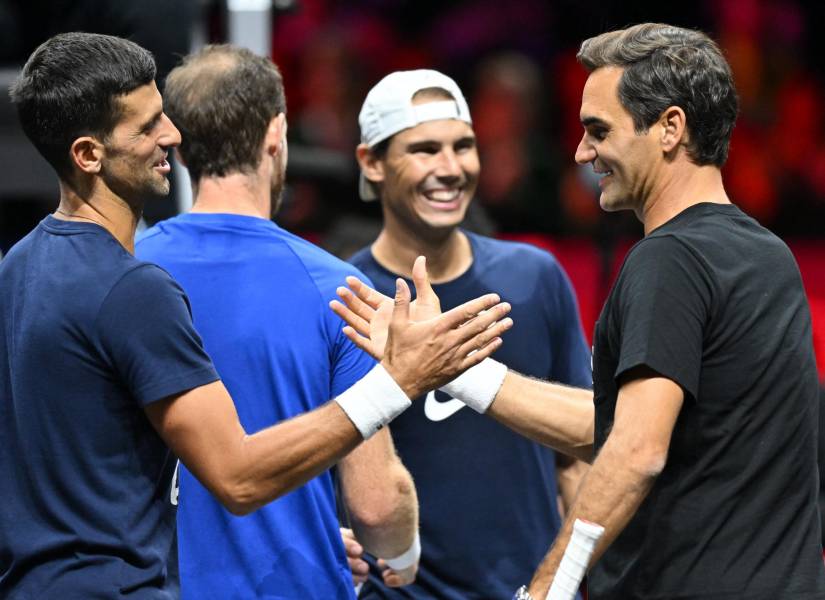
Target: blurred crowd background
[(515, 60)]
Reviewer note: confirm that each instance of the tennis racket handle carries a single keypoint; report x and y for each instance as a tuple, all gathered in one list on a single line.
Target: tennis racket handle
[(574, 563)]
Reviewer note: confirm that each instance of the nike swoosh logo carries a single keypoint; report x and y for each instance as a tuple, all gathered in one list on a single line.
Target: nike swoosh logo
[(436, 410)]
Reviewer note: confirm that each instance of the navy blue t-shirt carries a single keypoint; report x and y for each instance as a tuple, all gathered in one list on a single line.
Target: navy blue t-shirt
[(487, 495), (89, 335)]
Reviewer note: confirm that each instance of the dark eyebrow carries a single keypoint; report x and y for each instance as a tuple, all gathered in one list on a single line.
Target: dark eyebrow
[(588, 121), (151, 122)]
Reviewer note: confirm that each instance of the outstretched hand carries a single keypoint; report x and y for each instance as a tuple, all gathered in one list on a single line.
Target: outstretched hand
[(420, 347), (367, 311)]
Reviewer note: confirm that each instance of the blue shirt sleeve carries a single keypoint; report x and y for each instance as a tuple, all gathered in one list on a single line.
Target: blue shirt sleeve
[(349, 363), (145, 331)]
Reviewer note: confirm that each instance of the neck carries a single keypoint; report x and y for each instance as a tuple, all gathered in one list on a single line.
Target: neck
[(447, 256), (685, 187), (103, 207), (236, 193)]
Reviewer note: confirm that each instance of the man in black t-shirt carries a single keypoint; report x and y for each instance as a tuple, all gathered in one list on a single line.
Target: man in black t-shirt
[(702, 426)]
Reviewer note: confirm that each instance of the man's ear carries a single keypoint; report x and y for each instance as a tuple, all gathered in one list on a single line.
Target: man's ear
[(87, 154), (673, 129), (275, 135), (371, 166)]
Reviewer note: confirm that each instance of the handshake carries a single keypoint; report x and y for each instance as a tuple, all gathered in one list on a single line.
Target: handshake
[(419, 348)]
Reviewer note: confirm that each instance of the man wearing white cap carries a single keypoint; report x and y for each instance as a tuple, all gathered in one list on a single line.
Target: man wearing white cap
[(487, 495)]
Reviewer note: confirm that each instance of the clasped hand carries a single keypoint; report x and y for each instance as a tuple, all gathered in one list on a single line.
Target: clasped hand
[(415, 338)]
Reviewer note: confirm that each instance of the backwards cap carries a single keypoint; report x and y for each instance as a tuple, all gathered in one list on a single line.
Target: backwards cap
[(388, 109)]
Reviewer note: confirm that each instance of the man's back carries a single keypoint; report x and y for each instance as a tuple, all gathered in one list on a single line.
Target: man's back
[(259, 298), (715, 302), (85, 499)]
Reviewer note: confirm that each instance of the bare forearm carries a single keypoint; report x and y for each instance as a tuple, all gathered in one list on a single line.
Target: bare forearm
[(380, 497), (610, 494), (395, 534), (569, 475), (266, 465), (549, 413)]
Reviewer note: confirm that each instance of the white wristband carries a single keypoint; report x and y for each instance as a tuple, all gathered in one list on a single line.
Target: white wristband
[(373, 401), (477, 386), (408, 558)]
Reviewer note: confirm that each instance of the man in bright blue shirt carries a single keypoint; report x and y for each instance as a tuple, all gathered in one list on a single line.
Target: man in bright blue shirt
[(259, 298)]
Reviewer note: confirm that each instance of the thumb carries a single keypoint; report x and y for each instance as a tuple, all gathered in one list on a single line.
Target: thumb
[(401, 309), (424, 292)]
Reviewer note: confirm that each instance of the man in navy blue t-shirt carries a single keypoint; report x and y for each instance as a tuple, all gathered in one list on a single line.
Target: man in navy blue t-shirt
[(101, 368), (487, 495)]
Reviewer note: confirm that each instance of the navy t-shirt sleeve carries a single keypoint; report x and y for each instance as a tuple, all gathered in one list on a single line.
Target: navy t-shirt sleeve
[(571, 357), (145, 330), (664, 303)]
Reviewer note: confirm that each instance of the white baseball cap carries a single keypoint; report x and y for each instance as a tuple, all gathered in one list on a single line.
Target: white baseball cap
[(388, 109)]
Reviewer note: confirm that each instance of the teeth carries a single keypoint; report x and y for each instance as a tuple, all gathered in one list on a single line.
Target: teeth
[(442, 195)]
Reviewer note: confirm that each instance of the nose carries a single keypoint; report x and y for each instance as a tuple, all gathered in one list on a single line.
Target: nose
[(170, 135), (448, 164), (585, 152)]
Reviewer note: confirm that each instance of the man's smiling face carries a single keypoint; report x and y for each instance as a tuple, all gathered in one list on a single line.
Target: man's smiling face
[(626, 161), (136, 165), (430, 174)]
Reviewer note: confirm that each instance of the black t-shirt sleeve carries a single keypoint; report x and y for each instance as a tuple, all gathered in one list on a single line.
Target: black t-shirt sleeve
[(145, 330), (664, 304)]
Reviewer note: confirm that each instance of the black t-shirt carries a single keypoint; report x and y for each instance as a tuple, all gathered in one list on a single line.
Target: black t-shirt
[(715, 302)]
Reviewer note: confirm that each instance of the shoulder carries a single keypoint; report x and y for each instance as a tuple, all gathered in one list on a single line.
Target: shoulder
[(362, 259), (511, 264), (664, 251), (150, 240), (325, 270), (512, 254), (144, 281)]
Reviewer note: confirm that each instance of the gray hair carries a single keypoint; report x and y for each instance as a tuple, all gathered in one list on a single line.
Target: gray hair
[(671, 66)]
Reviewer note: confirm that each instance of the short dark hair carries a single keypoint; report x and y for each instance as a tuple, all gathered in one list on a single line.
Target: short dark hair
[(222, 99), (671, 66), (70, 87)]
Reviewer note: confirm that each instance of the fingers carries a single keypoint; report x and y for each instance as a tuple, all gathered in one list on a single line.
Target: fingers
[(351, 545), (358, 566), (349, 317), (365, 293), (479, 325), (469, 310), (401, 310), (484, 343), (362, 343), (424, 293), (356, 305), (393, 578)]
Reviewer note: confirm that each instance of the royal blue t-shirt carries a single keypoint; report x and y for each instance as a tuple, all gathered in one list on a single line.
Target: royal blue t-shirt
[(89, 336), (487, 495), (260, 299)]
